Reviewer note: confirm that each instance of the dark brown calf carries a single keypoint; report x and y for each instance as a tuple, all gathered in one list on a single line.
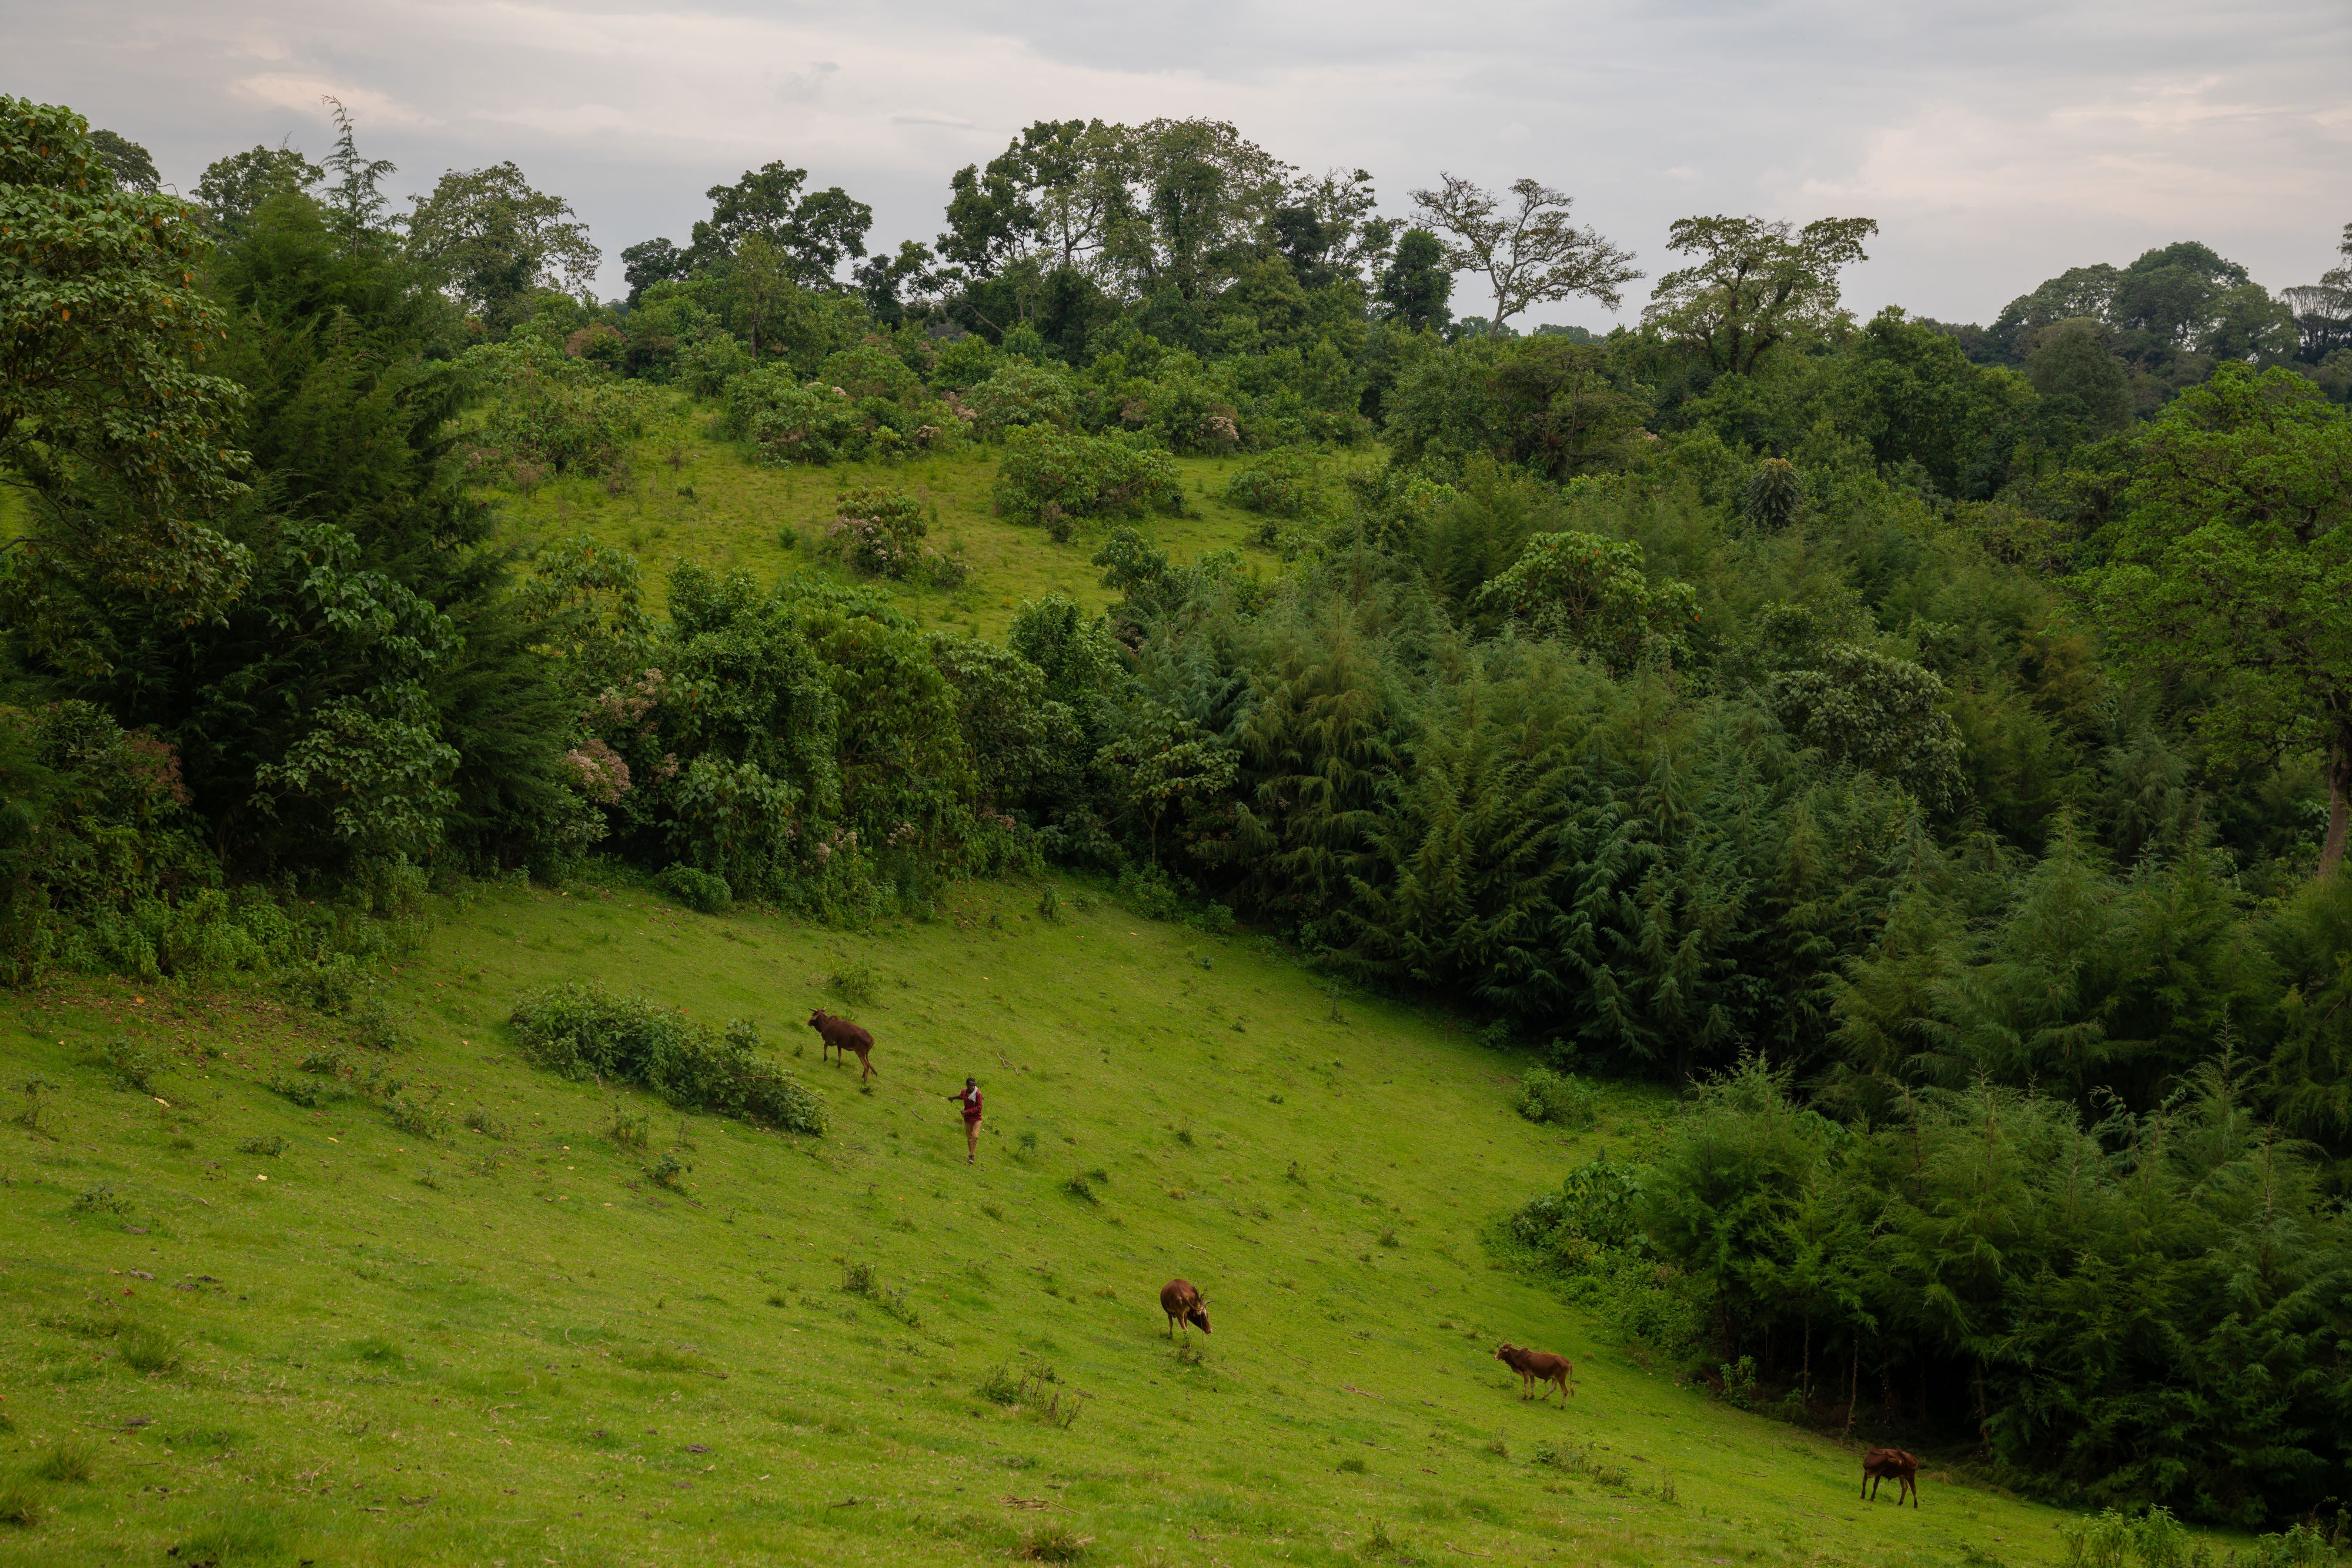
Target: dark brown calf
[(1890, 1465), (1537, 1367), (842, 1037), (1183, 1305)]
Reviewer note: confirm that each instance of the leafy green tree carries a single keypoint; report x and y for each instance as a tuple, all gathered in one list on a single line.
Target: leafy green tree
[(1873, 711), (1592, 592), (233, 188), (1754, 285), (2322, 310), (881, 279), (2071, 359), (109, 420), (1417, 283), (356, 196), (134, 169), (1530, 256), (2232, 560), (652, 261), (812, 231), (492, 240)]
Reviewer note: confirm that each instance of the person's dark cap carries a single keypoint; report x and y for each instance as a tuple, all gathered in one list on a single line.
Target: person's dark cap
[(969, 1079)]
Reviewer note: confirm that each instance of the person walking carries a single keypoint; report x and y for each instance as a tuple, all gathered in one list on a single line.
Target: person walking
[(969, 1097)]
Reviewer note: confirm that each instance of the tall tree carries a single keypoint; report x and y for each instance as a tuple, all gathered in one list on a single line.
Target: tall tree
[(1754, 284), (814, 231), (108, 417), (2232, 561), (232, 188), (133, 168), (491, 241), (1417, 283), (1530, 256)]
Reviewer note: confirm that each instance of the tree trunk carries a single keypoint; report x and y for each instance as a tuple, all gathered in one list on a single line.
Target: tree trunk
[(1854, 1383), (2339, 800)]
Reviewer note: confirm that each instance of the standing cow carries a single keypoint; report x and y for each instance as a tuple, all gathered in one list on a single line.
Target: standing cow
[(1183, 1304), (1890, 1465), (842, 1037), (1537, 1367)]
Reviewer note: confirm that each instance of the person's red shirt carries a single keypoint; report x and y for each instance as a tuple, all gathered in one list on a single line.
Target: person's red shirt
[(971, 1103)]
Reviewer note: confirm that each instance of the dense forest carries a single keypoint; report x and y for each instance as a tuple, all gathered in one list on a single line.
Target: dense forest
[(1928, 744)]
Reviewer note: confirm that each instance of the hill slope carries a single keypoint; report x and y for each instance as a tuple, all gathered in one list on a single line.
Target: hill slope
[(516, 1350), (689, 497)]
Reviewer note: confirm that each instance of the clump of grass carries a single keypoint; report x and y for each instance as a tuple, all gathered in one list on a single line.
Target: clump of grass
[(990, 1210), (1079, 1187), (998, 1385), (489, 1126), (417, 1119), (1027, 1142), (1389, 1237), (1054, 1543), (778, 1298), (857, 1279), (1582, 1459), (307, 1093), (856, 984), (1352, 1464), (375, 1027), (69, 1460), (582, 1031), (1496, 1447), (271, 1147), (20, 1505), (100, 1199), (1049, 904), (484, 1164), (1666, 1490), (326, 1063), (427, 1178), (664, 1171), (1184, 1137), (150, 1353), (131, 1065)]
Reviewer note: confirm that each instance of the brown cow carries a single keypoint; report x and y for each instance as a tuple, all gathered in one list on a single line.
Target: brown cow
[(842, 1037), (1184, 1305), (1890, 1464), (1535, 1366)]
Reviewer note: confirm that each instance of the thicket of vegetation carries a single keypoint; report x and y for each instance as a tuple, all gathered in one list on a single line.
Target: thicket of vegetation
[(1934, 742)]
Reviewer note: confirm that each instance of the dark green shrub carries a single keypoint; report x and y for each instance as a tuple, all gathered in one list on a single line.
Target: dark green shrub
[(1283, 483), (696, 888), (1053, 478), (270, 1147), (1560, 1099), (580, 1030)]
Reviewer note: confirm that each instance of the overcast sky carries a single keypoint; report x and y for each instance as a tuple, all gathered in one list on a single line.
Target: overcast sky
[(1996, 142)]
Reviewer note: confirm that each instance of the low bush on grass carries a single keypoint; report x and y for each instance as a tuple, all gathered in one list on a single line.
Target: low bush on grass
[(131, 1066), (1556, 1099), (20, 1505), (582, 1031), (271, 1146), (1055, 478), (1279, 484), (698, 890)]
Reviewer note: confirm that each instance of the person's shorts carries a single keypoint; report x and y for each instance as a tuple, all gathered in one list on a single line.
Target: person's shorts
[(971, 1120)]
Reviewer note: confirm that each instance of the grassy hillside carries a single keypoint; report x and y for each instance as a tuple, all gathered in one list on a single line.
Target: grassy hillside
[(689, 497), (508, 1347)]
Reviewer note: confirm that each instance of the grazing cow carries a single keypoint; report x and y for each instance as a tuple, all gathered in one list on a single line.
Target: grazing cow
[(1890, 1465), (842, 1037), (1184, 1305), (1537, 1367)]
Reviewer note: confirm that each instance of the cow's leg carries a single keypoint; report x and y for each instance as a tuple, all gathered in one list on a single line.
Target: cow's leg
[(868, 1067), (1913, 1482)]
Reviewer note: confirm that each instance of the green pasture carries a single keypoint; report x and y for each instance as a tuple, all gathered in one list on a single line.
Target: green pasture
[(502, 1345), (690, 495)]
